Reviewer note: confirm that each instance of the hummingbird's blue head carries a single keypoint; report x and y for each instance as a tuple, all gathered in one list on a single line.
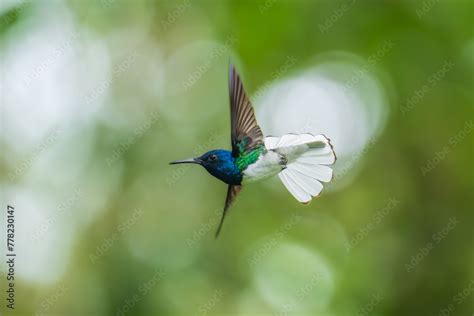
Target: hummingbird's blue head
[(220, 164)]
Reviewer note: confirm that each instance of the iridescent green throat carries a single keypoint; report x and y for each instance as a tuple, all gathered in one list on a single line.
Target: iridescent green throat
[(248, 158)]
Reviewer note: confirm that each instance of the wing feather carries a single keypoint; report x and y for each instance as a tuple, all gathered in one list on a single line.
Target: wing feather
[(245, 132), (232, 192)]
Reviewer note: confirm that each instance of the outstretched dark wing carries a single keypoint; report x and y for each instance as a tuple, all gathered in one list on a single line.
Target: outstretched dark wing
[(246, 134), (232, 192)]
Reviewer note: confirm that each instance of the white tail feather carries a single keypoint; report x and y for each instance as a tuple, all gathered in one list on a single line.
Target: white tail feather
[(318, 172), (307, 159), (294, 189), (310, 185)]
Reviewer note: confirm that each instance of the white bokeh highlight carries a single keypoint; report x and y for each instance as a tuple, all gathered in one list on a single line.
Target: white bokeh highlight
[(340, 98)]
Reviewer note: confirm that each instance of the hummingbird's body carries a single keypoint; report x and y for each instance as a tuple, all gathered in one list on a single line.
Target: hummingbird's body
[(268, 163), (301, 161), (254, 165)]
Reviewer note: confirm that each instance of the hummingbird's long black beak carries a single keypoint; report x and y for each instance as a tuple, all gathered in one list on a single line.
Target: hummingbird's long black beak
[(192, 160)]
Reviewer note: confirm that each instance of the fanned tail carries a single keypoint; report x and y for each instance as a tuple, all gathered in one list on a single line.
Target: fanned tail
[(308, 163)]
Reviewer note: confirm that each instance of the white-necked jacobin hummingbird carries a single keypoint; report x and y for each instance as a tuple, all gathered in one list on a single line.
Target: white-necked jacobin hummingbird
[(300, 160)]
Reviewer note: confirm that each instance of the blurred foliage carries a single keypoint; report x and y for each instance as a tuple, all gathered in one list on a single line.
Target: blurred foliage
[(167, 262)]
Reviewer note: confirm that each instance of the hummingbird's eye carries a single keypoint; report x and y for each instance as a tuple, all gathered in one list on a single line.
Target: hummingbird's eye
[(212, 158)]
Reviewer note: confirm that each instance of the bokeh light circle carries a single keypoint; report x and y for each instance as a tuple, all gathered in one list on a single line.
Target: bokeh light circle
[(294, 278)]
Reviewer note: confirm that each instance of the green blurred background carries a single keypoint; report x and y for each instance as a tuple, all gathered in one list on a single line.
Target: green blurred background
[(98, 96)]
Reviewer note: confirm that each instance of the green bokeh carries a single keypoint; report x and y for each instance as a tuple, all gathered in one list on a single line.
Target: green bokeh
[(166, 262)]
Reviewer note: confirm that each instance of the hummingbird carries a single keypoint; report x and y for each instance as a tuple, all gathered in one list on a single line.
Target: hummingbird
[(301, 161)]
